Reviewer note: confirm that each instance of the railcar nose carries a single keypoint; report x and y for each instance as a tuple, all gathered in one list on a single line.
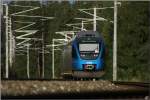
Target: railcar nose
[(89, 67)]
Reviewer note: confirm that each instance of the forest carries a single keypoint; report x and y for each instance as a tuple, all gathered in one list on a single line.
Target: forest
[(133, 37)]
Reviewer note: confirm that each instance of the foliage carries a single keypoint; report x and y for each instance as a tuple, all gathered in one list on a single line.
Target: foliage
[(133, 41), (132, 38)]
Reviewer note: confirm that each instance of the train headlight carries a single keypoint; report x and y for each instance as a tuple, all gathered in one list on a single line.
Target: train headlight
[(95, 55), (83, 55)]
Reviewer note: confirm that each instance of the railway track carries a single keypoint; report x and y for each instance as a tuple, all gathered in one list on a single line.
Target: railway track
[(59, 88)]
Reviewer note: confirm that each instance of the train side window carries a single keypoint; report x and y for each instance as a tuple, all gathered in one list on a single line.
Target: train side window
[(103, 52), (74, 54)]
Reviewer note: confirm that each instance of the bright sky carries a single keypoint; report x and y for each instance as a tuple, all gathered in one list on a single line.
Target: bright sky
[(6, 1)]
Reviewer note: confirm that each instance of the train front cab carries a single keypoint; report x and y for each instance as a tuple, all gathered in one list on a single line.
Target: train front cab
[(88, 58)]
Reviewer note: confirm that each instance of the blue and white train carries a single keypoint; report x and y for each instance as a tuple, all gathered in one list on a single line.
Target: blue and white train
[(84, 57), (88, 51)]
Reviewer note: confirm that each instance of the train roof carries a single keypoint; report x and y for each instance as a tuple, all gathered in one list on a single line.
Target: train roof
[(88, 34)]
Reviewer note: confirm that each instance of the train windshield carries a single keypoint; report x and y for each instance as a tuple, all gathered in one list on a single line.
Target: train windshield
[(93, 47)]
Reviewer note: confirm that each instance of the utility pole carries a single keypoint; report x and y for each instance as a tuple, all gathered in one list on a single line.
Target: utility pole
[(94, 14), (1, 12), (94, 20), (53, 73), (28, 70), (39, 74), (115, 43), (6, 43), (61, 42), (10, 43), (82, 25), (42, 55)]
